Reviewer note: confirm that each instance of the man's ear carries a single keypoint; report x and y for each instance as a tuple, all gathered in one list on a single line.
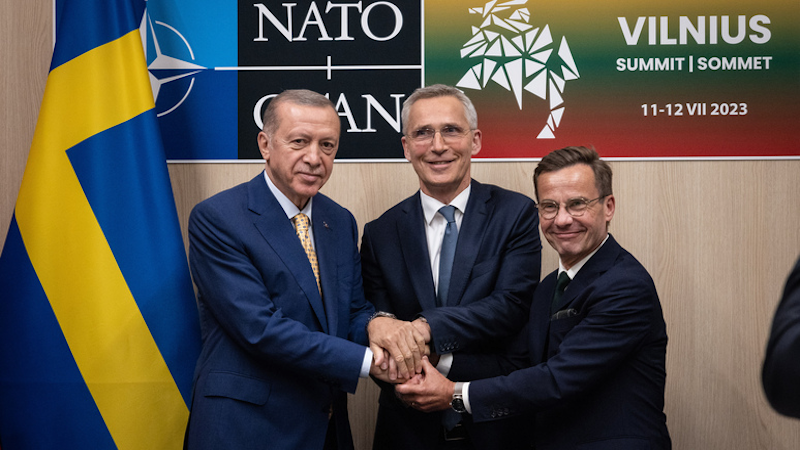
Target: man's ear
[(263, 145), (610, 206), (476, 141), (406, 152)]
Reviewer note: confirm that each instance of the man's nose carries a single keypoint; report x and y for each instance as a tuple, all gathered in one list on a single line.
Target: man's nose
[(562, 217), (312, 154), (438, 144)]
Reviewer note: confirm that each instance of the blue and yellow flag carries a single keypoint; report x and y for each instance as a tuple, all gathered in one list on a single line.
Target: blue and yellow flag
[(98, 324)]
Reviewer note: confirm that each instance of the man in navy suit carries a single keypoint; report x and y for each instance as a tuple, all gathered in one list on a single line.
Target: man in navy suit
[(781, 371), (471, 329), (597, 338), (282, 309)]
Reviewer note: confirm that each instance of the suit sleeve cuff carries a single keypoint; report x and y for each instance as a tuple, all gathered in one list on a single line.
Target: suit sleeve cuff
[(365, 365)]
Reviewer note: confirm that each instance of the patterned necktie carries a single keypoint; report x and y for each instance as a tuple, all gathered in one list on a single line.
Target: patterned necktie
[(447, 254), (301, 228), (561, 285)]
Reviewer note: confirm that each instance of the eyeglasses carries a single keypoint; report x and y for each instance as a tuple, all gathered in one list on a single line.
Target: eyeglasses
[(575, 207), (449, 133)]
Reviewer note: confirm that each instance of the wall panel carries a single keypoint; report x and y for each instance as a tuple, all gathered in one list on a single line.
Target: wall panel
[(25, 48)]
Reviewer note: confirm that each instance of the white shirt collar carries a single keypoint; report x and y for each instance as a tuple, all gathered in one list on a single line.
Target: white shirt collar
[(430, 206), (289, 208), (573, 271)]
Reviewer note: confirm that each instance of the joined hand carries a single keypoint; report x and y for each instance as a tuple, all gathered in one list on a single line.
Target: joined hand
[(398, 346), (427, 391)]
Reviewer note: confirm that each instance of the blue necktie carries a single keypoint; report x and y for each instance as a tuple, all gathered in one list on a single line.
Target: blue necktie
[(450, 418), (447, 254)]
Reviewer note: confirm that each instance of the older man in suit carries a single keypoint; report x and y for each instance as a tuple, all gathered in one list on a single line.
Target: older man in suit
[(469, 305), (282, 309), (597, 337)]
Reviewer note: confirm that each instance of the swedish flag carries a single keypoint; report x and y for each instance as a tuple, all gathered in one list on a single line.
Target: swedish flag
[(98, 325)]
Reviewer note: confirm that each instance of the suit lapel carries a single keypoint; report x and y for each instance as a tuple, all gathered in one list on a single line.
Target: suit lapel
[(411, 234), (470, 236), (539, 322), (326, 248), (594, 267), (277, 230)]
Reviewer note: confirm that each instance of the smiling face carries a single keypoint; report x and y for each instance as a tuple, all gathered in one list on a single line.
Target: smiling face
[(574, 237), (299, 154), (443, 166)]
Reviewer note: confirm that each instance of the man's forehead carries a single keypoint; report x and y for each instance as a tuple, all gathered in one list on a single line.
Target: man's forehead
[(444, 110), (295, 112), (573, 181), (288, 105)]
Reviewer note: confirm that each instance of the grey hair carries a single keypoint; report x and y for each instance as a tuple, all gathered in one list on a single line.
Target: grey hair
[(302, 97), (440, 90)]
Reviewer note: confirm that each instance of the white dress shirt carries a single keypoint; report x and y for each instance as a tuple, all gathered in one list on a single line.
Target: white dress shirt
[(435, 225)]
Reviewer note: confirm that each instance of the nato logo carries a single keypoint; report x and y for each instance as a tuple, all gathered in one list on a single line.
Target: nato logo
[(175, 73), (214, 66), (195, 102)]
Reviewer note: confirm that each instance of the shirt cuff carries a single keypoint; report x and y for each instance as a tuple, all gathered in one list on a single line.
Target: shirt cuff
[(445, 364), (365, 365), (465, 397)]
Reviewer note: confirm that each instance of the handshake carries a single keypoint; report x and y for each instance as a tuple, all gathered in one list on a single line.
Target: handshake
[(401, 354), (398, 347)]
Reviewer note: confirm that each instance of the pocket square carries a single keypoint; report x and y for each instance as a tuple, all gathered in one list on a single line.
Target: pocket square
[(564, 313)]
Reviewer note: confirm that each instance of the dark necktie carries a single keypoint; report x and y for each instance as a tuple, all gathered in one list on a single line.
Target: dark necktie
[(447, 254), (561, 285)]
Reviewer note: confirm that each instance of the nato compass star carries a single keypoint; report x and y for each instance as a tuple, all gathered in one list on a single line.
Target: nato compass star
[(519, 57), (165, 69)]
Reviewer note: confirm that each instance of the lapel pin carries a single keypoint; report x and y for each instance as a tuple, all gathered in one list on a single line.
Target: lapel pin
[(325, 224)]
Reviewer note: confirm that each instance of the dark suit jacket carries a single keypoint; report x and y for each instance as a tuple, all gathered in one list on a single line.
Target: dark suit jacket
[(496, 269), (597, 380), (781, 373), (275, 356)]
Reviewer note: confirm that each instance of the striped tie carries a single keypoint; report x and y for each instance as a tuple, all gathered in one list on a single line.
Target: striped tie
[(301, 228)]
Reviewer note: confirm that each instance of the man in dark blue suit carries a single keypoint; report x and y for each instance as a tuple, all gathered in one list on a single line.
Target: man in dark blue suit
[(493, 273), (597, 337), (282, 309), (781, 372)]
